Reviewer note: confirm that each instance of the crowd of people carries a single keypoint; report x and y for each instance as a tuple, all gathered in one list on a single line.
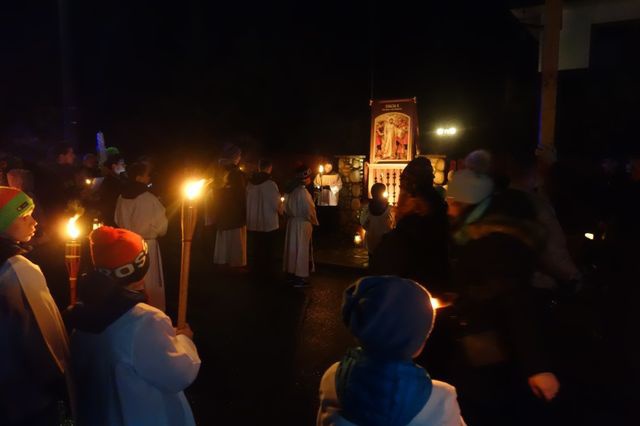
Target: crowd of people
[(490, 248)]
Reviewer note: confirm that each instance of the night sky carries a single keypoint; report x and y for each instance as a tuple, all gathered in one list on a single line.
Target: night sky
[(285, 77)]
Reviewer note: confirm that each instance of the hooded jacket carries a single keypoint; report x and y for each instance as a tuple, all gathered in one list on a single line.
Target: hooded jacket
[(494, 266), (389, 404)]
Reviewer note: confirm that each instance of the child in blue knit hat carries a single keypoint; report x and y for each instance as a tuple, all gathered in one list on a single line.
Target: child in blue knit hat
[(378, 384)]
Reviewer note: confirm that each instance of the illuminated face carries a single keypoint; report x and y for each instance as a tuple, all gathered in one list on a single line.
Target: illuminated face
[(22, 229), (328, 167)]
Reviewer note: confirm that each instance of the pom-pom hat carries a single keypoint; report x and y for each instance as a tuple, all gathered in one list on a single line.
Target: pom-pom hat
[(467, 186), (119, 254), (390, 316), (13, 204)]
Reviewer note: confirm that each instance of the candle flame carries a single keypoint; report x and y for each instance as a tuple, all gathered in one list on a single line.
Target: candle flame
[(72, 228), (282, 199), (385, 194), (88, 182), (192, 189), (357, 239), (321, 168), (589, 236)]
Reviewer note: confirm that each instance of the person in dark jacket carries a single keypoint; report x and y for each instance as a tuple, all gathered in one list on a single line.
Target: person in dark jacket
[(418, 247), (503, 363), (231, 211), (111, 188)]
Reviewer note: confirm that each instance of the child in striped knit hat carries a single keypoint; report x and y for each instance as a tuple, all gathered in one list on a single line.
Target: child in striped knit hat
[(34, 354)]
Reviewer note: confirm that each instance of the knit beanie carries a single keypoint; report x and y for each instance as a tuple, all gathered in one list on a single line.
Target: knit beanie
[(390, 316), (119, 254), (467, 186), (13, 204), (478, 161)]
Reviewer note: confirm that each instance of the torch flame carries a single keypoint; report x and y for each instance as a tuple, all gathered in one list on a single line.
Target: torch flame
[(72, 228), (439, 304), (192, 189)]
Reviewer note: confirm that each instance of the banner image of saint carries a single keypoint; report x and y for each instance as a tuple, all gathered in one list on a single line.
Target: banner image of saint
[(394, 127)]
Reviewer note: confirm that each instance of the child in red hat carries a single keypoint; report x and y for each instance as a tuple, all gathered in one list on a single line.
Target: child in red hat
[(33, 342), (130, 365)]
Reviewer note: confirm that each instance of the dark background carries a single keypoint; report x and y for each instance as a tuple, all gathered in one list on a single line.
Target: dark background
[(166, 77)]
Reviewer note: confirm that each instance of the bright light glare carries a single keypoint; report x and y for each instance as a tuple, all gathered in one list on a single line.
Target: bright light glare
[(440, 131), (192, 188), (282, 199), (452, 130), (72, 228), (88, 181), (589, 236), (321, 169), (385, 194), (357, 239)]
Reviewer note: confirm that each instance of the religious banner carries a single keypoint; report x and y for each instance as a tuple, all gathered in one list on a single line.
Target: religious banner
[(394, 128)]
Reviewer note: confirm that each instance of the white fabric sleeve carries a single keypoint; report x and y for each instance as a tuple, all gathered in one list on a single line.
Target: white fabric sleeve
[(160, 222), (337, 185), (169, 362)]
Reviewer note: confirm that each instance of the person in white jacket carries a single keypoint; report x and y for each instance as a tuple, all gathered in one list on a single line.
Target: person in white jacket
[(34, 348), (130, 366), (376, 217), (264, 208), (140, 211), (301, 214), (378, 384)]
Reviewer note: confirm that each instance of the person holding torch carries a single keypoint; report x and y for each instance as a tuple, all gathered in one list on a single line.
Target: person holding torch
[(130, 366), (35, 352)]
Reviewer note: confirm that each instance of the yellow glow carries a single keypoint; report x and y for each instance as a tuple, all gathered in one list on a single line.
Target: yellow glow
[(357, 239), (72, 228), (321, 168), (438, 304), (385, 194), (282, 199), (88, 182), (589, 236), (193, 188), (452, 130), (440, 131)]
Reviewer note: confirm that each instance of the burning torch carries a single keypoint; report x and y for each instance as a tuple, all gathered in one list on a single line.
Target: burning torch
[(72, 256), (191, 192)]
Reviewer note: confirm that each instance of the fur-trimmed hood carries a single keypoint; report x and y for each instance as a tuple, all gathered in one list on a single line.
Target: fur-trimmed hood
[(530, 233)]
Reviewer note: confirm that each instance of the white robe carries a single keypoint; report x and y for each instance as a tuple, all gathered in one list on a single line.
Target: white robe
[(231, 247), (328, 197), (145, 215), (134, 372), (298, 251), (441, 409), (376, 226), (263, 206)]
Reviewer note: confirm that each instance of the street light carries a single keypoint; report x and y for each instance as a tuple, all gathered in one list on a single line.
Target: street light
[(447, 131)]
